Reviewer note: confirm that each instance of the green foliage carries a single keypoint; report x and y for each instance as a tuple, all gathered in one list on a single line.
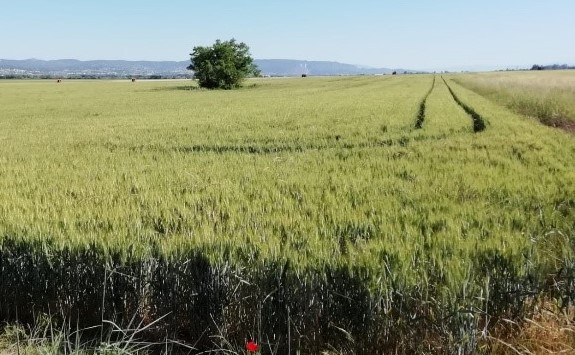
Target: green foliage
[(224, 65)]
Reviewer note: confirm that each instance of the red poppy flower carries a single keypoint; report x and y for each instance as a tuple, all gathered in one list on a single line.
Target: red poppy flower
[(252, 346)]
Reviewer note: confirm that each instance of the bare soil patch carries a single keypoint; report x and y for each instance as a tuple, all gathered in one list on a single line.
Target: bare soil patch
[(561, 123)]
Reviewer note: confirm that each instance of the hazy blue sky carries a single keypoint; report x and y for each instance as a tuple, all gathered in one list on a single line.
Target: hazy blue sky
[(416, 34)]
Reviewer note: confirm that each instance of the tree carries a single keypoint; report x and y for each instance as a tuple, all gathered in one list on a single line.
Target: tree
[(224, 65)]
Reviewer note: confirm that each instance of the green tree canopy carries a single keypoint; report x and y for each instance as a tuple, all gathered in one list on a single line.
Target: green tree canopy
[(224, 65)]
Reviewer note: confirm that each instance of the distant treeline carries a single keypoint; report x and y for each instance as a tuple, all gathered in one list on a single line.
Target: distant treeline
[(552, 67), (93, 76)]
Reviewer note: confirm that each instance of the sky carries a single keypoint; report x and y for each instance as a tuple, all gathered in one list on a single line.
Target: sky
[(416, 34)]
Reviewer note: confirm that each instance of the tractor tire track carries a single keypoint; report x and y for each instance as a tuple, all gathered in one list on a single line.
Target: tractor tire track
[(478, 121), (421, 114)]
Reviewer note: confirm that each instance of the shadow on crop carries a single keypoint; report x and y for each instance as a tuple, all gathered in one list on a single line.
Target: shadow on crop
[(195, 87), (179, 88)]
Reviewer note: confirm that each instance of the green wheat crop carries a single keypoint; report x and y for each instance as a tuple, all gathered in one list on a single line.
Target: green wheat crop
[(310, 204)]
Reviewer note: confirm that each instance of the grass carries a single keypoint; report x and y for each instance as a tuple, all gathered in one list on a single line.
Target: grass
[(548, 97), (44, 338), (224, 212), (549, 330)]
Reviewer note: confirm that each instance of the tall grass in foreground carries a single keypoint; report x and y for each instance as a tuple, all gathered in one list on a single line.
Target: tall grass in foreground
[(305, 214), (549, 97)]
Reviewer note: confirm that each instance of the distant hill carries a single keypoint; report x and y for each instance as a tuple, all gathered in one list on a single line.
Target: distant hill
[(123, 68), (73, 67), (288, 67)]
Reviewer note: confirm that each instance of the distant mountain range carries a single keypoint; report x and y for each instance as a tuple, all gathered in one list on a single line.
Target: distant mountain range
[(123, 68), (92, 68), (288, 67)]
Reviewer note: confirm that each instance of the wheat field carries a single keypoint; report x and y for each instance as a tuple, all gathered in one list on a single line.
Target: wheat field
[(350, 214)]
